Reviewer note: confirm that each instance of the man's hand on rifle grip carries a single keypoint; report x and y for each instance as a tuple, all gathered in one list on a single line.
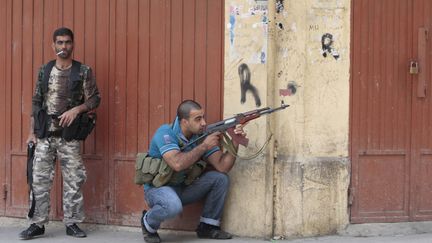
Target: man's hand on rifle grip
[(212, 140)]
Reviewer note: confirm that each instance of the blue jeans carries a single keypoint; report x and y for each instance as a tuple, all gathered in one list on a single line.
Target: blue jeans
[(168, 201)]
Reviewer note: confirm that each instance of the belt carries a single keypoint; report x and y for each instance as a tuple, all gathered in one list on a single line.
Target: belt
[(57, 133)]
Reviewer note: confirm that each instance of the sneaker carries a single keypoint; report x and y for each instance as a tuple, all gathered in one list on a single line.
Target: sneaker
[(32, 231), (75, 231), (148, 237), (207, 231)]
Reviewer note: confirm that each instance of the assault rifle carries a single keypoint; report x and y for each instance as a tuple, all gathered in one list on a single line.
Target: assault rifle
[(228, 125), (31, 146)]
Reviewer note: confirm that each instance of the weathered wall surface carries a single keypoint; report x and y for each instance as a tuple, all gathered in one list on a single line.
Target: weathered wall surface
[(248, 210), (296, 52)]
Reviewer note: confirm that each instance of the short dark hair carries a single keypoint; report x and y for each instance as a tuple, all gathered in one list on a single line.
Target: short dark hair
[(62, 32), (184, 109)]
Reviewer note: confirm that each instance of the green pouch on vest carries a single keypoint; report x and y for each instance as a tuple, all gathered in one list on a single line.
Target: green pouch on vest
[(152, 166), (151, 170), (164, 175), (141, 177), (195, 171)]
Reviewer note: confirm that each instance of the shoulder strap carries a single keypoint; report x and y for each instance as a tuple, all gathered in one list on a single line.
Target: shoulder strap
[(74, 75), (228, 145), (46, 73), (75, 72)]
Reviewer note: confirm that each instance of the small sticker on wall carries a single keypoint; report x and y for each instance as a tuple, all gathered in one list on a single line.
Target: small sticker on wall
[(290, 90)]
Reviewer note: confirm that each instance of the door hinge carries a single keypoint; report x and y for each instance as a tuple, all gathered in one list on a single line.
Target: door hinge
[(350, 196), (5, 191)]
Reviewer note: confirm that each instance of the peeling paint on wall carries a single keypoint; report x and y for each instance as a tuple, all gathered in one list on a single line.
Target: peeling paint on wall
[(301, 60), (261, 2), (263, 56), (283, 51), (232, 19), (245, 84), (245, 20), (258, 9)]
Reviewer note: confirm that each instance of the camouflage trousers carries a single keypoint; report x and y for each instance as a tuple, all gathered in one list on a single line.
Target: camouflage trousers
[(73, 172)]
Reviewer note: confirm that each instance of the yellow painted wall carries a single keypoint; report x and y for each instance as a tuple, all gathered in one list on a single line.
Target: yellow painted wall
[(286, 46)]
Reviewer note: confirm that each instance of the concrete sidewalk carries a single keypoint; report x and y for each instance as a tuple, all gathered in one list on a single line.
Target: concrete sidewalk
[(55, 232)]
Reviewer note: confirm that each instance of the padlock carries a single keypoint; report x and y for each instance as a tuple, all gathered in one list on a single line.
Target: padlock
[(414, 68)]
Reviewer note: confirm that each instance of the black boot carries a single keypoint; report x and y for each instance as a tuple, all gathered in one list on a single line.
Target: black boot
[(32, 231), (208, 231), (148, 237), (75, 231)]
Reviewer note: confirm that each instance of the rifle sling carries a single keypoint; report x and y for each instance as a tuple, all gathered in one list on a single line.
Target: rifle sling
[(229, 146)]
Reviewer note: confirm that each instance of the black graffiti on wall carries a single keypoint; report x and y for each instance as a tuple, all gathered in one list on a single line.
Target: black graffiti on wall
[(327, 46), (279, 6), (245, 84), (280, 25)]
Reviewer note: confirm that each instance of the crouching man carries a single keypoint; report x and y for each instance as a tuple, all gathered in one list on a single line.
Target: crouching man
[(166, 195)]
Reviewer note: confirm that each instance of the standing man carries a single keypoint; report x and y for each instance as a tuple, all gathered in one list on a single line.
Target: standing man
[(65, 90), (183, 188)]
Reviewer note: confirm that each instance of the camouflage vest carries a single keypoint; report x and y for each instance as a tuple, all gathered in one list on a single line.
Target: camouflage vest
[(76, 79)]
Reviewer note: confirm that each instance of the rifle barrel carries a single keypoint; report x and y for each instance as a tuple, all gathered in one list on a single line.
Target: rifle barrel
[(224, 124), (273, 110)]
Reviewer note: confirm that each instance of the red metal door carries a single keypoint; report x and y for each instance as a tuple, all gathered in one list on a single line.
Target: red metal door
[(164, 52), (390, 148), (3, 26), (421, 156), (27, 38), (148, 55)]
